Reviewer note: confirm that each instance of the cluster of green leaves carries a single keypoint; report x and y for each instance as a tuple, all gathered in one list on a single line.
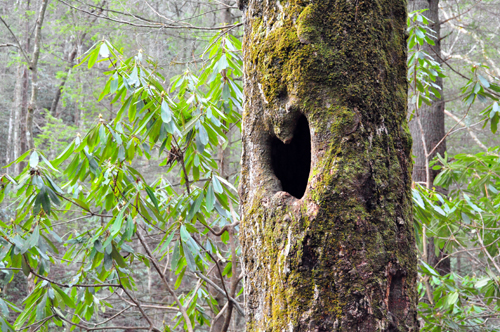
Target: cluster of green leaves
[(465, 220), (467, 217), (95, 180), (423, 69)]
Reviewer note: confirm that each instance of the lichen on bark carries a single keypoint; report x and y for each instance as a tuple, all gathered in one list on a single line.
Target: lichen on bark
[(343, 256)]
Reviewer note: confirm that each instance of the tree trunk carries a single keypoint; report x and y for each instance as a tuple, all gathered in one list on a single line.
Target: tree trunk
[(71, 63), (20, 105), (60, 88), (327, 231), (432, 121), (34, 75)]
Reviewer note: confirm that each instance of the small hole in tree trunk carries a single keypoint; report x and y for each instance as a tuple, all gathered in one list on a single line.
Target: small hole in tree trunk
[(292, 162)]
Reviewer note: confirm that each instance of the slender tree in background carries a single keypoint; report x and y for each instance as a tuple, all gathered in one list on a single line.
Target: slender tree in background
[(26, 109), (428, 125), (78, 43), (33, 66), (327, 231)]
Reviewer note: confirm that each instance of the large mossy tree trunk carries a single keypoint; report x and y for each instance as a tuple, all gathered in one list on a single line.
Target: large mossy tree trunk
[(327, 231)]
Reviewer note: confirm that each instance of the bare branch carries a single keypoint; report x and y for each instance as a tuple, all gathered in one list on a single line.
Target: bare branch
[(155, 25), (471, 133), (164, 279), (220, 290), (17, 41)]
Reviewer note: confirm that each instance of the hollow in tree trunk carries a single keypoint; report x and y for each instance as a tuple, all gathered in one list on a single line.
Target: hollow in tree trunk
[(327, 232)]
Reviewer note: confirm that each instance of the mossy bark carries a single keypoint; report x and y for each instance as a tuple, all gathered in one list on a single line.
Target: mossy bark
[(342, 257)]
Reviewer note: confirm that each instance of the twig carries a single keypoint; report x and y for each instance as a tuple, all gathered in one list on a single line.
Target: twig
[(17, 42), (471, 133), (151, 325), (169, 289), (105, 327), (157, 25), (449, 131), (220, 290)]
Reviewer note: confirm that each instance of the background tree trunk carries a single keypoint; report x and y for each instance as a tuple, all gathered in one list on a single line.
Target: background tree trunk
[(327, 230), (34, 75), (432, 121)]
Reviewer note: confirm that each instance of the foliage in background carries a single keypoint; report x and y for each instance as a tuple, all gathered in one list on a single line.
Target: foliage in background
[(464, 222), (95, 180)]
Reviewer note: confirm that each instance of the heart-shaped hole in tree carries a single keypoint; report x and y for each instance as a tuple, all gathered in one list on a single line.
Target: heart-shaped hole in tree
[(292, 162)]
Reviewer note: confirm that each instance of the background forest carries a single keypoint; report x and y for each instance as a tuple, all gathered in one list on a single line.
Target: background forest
[(120, 139)]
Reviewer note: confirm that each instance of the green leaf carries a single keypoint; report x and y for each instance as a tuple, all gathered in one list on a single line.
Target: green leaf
[(184, 234), (203, 135), (124, 107), (152, 197), (484, 81), (482, 282), (179, 278), (189, 259), (67, 300), (494, 123), (426, 268), (34, 158), (217, 186), (190, 125), (195, 207), (33, 241), (25, 267), (114, 84), (40, 309), (44, 199), (210, 199), (118, 258), (176, 256), (167, 242), (166, 114), (47, 162), (18, 160), (117, 223), (64, 155), (229, 185), (4, 307), (129, 228), (108, 261), (452, 298), (93, 57)]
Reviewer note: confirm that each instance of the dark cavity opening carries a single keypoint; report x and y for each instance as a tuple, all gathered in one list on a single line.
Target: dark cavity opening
[(292, 162)]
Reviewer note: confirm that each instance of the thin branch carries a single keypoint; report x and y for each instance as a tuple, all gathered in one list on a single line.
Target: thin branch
[(169, 289), (448, 133), (105, 327), (220, 290), (151, 325), (113, 317), (157, 25), (17, 42), (460, 14), (32, 271), (9, 45), (471, 133)]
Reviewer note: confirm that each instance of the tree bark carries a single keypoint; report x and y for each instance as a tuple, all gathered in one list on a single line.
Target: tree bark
[(71, 63), (20, 105), (330, 249), (60, 88), (34, 74), (432, 121)]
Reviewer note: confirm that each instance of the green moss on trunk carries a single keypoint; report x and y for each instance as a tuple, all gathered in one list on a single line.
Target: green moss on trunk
[(342, 257)]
